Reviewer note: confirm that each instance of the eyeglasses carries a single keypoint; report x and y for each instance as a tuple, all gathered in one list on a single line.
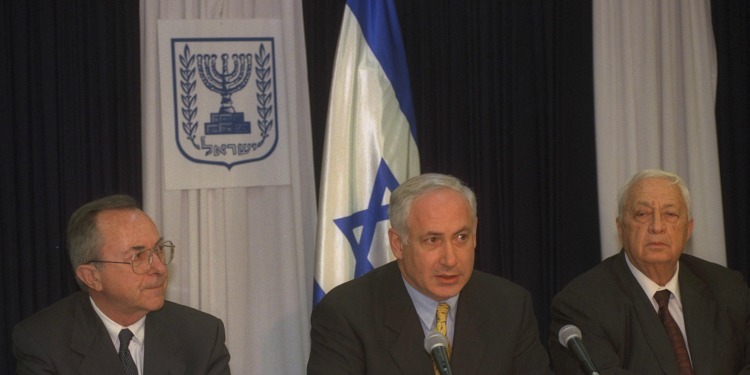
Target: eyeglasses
[(141, 261)]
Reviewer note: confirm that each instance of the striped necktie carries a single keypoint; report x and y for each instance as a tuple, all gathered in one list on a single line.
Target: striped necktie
[(673, 332)]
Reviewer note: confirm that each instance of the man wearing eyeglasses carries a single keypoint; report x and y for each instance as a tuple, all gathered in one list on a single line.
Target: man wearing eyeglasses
[(120, 323)]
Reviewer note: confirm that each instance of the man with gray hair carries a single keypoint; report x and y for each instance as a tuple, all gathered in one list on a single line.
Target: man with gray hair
[(377, 324), (120, 322), (652, 309)]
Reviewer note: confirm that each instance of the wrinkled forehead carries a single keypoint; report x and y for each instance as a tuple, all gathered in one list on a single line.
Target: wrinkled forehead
[(655, 191)]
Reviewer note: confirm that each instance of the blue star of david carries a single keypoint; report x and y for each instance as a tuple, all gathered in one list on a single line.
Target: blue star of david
[(368, 219)]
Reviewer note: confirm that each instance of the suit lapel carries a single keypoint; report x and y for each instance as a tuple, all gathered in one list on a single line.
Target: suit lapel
[(469, 346), (400, 317), (651, 327), (91, 340), (160, 345), (699, 310)]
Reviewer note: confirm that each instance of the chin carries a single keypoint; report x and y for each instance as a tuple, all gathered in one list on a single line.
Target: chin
[(155, 305), (445, 294)]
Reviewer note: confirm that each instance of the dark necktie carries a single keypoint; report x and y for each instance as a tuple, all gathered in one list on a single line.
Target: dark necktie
[(673, 332), (128, 365)]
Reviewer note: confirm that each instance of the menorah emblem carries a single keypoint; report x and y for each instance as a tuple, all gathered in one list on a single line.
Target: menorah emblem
[(225, 83), (219, 134)]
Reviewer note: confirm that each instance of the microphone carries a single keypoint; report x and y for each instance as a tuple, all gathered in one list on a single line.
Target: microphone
[(436, 344), (570, 337)]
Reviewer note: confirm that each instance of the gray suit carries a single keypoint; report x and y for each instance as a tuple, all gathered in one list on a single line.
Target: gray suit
[(69, 338), (370, 326), (622, 331)]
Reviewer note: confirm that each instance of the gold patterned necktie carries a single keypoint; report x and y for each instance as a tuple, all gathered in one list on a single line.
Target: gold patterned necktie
[(441, 325), (673, 332)]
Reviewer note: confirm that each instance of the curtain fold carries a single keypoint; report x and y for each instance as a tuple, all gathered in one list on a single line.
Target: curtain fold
[(655, 80), (731, 27), (69, 92), (243, 254)]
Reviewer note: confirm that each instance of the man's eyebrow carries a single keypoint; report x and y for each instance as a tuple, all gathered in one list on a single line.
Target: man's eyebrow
[(462, 230)]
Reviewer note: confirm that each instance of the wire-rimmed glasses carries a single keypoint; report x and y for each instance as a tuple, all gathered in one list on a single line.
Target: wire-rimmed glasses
[(141, 261)]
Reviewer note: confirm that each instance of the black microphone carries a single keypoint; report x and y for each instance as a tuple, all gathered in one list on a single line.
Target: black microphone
[(570, 337), (437, 345)]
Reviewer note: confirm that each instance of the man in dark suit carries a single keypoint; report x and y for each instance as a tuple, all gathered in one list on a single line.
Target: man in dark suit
[(121, 322), (701, 325), (377, 324)]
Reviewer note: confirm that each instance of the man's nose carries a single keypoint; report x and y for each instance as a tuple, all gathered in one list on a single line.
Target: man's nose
[(157, 265), (657, 223), (448, 257)]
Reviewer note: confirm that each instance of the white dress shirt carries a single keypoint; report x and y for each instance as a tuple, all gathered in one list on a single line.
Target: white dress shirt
[(136, 343), (675, 302)]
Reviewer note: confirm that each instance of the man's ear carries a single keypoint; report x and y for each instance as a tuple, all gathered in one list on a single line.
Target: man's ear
[(90, 276), (397, 246)]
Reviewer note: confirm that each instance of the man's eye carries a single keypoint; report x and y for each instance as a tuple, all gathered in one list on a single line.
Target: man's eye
[(671, 216), (432, 240)]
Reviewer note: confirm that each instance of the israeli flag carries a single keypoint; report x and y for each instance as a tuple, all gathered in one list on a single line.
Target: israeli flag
[(370, 145)]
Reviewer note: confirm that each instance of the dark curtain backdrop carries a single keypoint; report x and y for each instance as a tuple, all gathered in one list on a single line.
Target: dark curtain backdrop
[(70, 99), (731, 24), (503, 92)]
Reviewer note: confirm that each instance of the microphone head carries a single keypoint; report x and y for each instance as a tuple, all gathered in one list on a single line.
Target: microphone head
[(434, 340), (568, 332)]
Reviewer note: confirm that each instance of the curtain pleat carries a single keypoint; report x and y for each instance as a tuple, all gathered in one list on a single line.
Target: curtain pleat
[(731, 27), (655, 80), (69, 93)]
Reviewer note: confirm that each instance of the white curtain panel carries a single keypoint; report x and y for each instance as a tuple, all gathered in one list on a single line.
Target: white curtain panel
[(655, 84), (244, 255)]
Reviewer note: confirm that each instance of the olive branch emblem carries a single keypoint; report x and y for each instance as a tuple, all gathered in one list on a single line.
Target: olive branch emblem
[(265, 94), (188, 97)]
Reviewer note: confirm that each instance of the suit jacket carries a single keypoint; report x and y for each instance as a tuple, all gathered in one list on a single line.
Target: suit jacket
[(369, 325), (69, 338), (622, 331)]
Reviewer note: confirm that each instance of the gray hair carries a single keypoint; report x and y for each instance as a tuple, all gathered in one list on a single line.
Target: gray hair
[(404, 195), (84, 238), (624, 193)]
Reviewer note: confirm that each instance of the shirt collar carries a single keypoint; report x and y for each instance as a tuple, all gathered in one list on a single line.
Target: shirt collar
[(427, 306), (138, 328), (650, 287)]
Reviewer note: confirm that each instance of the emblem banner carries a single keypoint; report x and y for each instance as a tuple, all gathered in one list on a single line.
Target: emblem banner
[(224, 121)]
